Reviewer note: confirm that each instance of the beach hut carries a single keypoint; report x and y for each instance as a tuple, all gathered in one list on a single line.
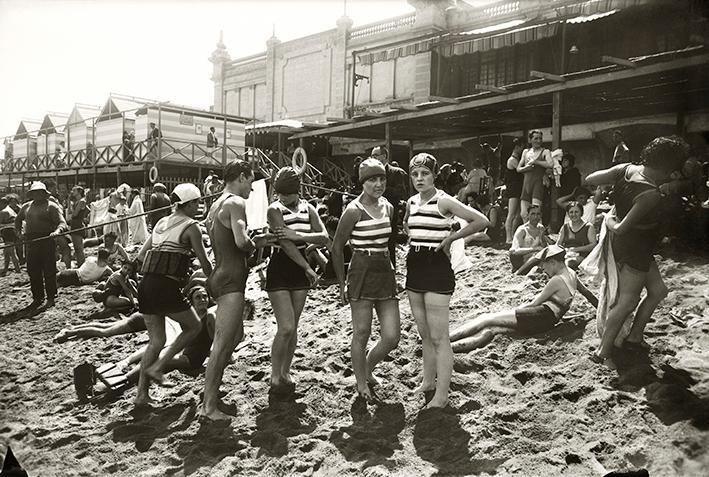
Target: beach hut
[(50, 137), (116, 116), (184, 132), (79, 128), (24, 144)]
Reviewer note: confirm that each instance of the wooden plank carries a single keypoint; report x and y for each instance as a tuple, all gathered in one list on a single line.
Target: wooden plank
[(618, 61), (340, 120), (492, 89), (443, 99), (601, 77), (547, 76), (371, 114)]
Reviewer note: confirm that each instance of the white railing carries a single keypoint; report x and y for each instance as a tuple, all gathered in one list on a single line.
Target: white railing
[(403, 21)]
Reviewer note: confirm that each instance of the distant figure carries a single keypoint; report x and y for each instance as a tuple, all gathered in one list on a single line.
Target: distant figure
[(92, 270), (153, 135), (9, 235), (137, 225), (43, 219), (212, 140), (513, 185), (621, 153), (158, 200), (533, 164), (79, 212)]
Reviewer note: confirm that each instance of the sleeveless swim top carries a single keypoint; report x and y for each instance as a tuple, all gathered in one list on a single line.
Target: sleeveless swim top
[(223, 244), (370, 234), (537, 171), (168, 256), (298, 220), (427, 226), (578, 238), (558, 307), (628, 187)]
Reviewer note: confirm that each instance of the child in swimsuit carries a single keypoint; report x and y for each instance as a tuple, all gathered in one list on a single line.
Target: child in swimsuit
[(541, 315)]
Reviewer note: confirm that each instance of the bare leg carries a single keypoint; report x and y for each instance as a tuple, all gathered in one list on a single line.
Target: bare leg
[(78, 242), (361, 330), (524, 209), (229, 331), (504, 319), (656, 292), (512, 218), (113, 301), (418, 310), (478, 340), (630, 284), (437, 311), (298, 298), (156, 332), (191, 325), (285, 332), (390, 331)]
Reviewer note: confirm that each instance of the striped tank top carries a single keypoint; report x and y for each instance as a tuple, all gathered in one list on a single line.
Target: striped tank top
[(427, 226), (370, 234), (298, 220)]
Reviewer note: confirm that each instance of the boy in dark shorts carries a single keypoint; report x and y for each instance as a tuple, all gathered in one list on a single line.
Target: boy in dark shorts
[(541, 315)]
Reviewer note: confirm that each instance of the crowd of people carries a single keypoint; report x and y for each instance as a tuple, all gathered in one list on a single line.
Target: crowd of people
[(351, 238)]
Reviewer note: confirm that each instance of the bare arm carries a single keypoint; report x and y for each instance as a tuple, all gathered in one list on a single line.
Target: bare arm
[(127, 289), (476, 220), (606, 176), (237, 220), (586, 293), (144, 250), (342, 235), (194, 235), (20, 217), (545, 160), (275, 222), (562, 236), (122, 252), (564, 200), (318, 235), (522, 165)]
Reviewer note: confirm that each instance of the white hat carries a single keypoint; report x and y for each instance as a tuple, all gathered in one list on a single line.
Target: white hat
[(187, 192), (37, 185), (550, 251)]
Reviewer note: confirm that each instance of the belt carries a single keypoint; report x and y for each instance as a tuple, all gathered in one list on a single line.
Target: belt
[(422, 248), (371, 252)]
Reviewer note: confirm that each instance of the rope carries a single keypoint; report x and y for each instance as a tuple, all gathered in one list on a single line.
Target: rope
[(330, 190)]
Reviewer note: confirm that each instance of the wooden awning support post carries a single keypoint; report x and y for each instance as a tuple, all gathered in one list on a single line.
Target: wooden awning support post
[(387, 139)]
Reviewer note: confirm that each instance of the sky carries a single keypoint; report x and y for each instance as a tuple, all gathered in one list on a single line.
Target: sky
[(57, 53)]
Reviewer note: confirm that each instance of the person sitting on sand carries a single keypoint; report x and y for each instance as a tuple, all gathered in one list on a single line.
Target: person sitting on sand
[(538, 316), (529, 239), (119, 290), (92, 270), (589, 202), (577, 237)]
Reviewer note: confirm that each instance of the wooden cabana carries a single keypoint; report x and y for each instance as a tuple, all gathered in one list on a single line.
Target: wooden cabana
[(79, 128), (116, 117), (24, 143), (50, 138)]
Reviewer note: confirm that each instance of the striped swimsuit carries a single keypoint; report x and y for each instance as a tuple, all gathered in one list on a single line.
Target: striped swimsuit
[(370, 234), (282, 272), (428, 270)]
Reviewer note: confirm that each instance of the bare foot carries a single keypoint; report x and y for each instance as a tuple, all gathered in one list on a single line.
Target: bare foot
[(424, 388), (365, 393), (437, 404), (215, 415), (143, 400), (62, 336), (155, 374), (372, 379)]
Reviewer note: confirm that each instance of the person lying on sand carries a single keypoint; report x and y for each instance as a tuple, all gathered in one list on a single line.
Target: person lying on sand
[(545, 311), (92, 270)]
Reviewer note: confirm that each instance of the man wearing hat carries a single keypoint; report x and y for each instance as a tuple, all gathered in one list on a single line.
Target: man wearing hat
[(397, 189), (43, 219), (158, 200)]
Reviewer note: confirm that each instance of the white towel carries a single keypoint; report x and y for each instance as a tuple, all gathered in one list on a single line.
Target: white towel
[(459, 261), (257, 205), (600, 265)]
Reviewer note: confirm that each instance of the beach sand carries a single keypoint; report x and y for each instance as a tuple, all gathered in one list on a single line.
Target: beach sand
[(520, 406)]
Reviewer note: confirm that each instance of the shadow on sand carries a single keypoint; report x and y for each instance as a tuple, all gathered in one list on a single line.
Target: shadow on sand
[(440, 440), (283, 418), (667, 392), (372, 437), (148, 424)]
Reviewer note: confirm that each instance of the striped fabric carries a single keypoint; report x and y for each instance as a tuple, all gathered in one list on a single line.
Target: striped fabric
[(427, 227), (298, 220), (370, 234), (166, 235)]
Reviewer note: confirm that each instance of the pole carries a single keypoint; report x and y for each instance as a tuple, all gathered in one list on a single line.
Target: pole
[(354, 83), (224, 133)]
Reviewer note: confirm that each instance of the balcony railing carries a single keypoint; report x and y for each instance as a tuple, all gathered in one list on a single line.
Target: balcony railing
[(403, 21)]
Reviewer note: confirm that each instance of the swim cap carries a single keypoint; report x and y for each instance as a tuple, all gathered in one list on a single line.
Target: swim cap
[(424, 159), (369, 168), (287, 181)]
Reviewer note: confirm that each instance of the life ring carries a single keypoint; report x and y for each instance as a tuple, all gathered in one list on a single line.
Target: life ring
[(299, 168), (153, 175)]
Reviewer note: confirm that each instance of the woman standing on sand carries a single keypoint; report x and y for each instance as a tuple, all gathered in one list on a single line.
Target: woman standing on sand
[(166, 258), (429, 280), (367, 224), (636, 231), (289, 276)]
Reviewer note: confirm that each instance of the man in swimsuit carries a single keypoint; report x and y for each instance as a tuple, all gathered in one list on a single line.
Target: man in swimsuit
[(226, 223)]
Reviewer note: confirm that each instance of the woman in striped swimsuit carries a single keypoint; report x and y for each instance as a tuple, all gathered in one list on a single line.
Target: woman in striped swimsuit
[(371, 282), (429, 279), (289, 276)]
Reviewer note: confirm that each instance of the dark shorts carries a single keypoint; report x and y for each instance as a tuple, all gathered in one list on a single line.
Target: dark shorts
[(284, 274), (635, 249), (68, 278), (160, 295), (429, 271), (535, 319), (371, 277), (514, 189), (532, 188)]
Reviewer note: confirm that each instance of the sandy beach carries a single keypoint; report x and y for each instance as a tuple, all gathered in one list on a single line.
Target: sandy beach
[(521, 406)]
